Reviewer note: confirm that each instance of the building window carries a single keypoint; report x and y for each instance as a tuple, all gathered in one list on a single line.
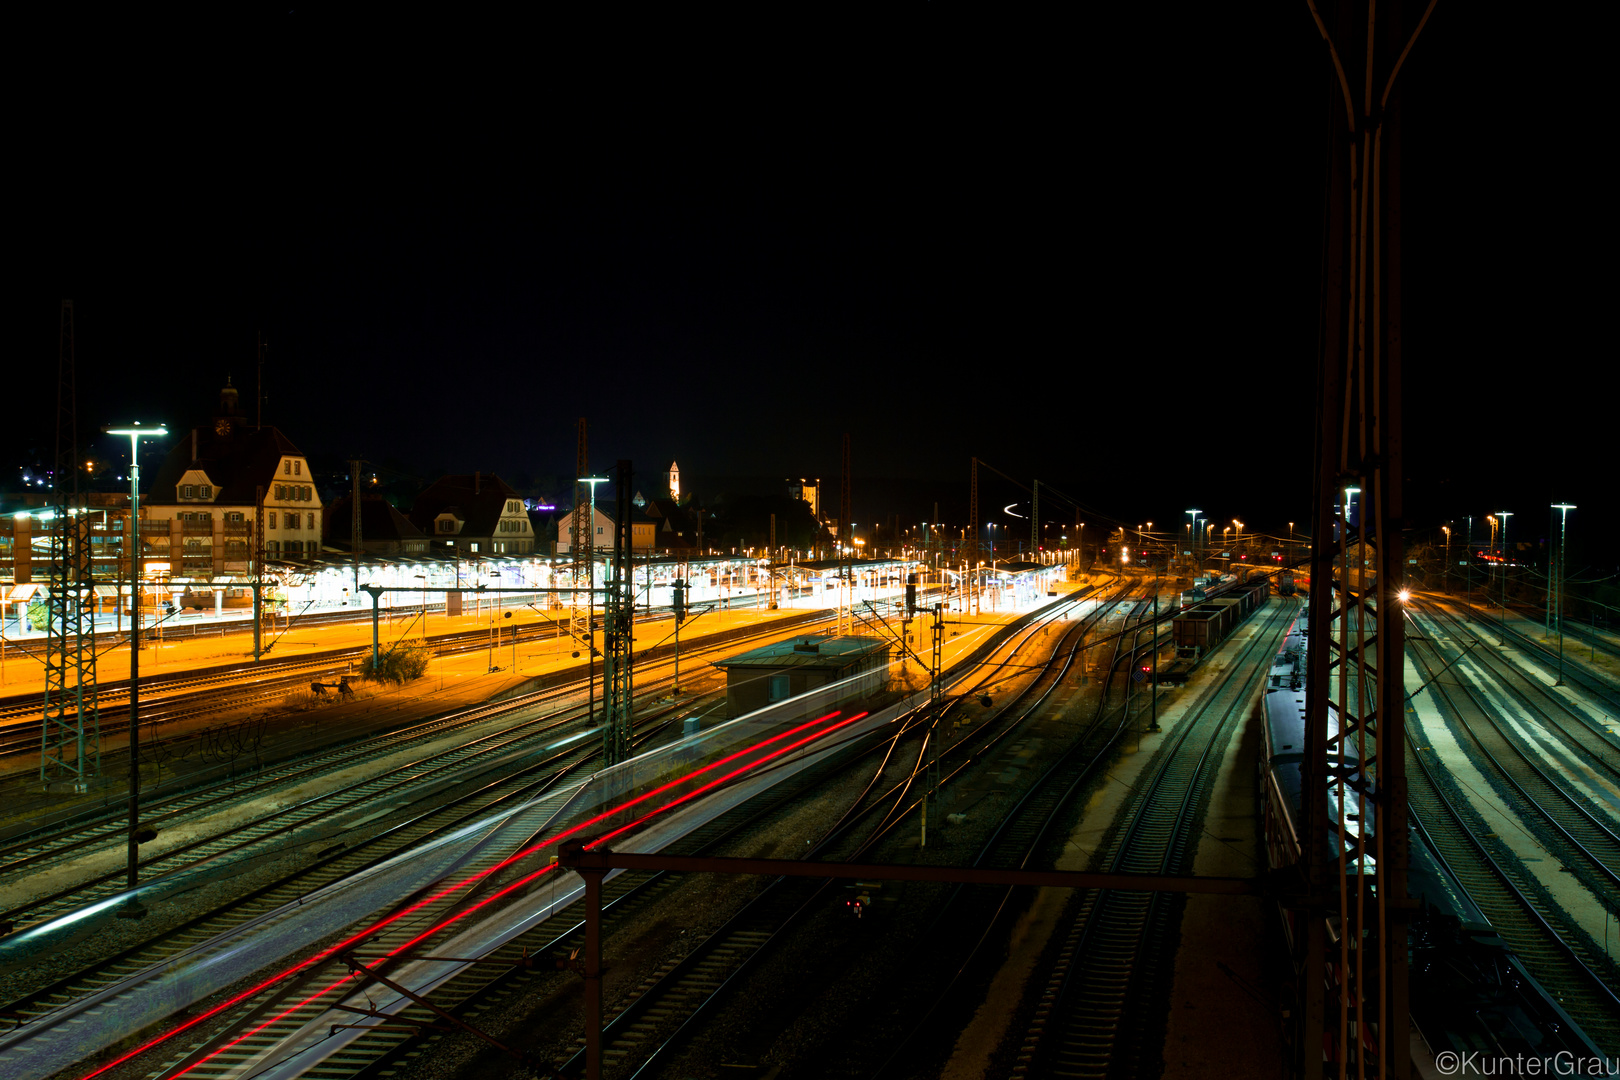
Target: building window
[(286, 468), (235, 518), (187, 491), (272, 519), (207, 491), (298, 468), (310, 524), (779, 688)]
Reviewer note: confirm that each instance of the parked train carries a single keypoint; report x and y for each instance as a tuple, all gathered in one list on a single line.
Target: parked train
[(1468, 991), (1198, 630)]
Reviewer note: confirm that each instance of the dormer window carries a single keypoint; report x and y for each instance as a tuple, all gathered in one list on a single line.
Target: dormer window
[(188, 491)]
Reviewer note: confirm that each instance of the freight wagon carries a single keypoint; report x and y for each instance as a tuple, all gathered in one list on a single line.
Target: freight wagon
[(1200, 629)]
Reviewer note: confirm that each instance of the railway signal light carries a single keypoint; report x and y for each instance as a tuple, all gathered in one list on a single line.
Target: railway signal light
[(679, 591)]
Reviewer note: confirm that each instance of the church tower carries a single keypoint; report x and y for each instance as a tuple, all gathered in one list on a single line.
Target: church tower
[(675, 481)]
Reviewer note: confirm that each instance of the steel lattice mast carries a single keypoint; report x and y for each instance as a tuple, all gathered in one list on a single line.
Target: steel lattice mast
[(1353, 1003), (970, 541), (71, 750), (579, 618), (618, 628)]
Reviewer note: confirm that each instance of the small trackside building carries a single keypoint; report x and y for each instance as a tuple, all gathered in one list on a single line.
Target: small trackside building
[(787, 669)]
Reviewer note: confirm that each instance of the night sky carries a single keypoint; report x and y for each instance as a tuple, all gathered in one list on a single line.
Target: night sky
[(1084, 249)]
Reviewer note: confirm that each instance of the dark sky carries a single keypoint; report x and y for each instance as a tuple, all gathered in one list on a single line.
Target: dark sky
[(1083, 249)]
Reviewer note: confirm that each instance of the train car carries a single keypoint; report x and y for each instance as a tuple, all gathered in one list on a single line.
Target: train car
[(1468, 991), (1198, 630), (1285, 583)]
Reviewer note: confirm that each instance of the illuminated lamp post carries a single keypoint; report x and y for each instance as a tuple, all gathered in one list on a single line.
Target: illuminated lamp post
[(1563, 537), (1192, 532), (1445, 572), (1504, 515), (1468, 559), (135, 432)]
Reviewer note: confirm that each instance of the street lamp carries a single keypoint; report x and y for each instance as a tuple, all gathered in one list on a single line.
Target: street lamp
[(493, 633), (1445, 573), (1563, 536), (135, 432), (1192, 531), (1504, 515)]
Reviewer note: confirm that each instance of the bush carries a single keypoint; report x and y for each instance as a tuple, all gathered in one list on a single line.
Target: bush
[(403, 664)]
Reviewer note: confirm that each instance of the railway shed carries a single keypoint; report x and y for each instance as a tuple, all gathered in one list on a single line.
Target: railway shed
[(786, 669)]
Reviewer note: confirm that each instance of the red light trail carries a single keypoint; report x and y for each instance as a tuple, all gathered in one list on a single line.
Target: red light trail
[(344, 945)]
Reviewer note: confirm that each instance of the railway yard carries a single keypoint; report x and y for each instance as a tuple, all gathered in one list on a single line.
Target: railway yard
[(364, 885)]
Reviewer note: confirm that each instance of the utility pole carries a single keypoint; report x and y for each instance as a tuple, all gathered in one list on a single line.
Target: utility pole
[(133, 908), (1357, 658), (618, 628), (1563, 541), (70, 751), (257, 584), (936, 703), (970, 549), (354, 527), (583, 542), (1035, 524), (846, 557)]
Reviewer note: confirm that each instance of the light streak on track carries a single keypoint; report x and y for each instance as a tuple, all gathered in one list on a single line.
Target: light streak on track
[(342, 946)]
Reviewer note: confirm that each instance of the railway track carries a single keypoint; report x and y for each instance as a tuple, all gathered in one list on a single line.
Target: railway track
[(39, 850), (1568, 824), (202, 691), (1563, 959), (391, 1046), (1097, 1012), (1593, 683), (530, 794), (1565, 720), (53, 1000), (680, 1000)]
